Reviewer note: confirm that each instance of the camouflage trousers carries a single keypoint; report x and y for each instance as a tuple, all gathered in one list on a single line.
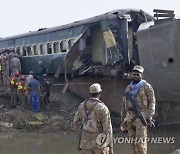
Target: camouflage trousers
[(6, 79), (14, 70), (1, 77), (138, 133), (13, 101), (22, 98), (95, 151)]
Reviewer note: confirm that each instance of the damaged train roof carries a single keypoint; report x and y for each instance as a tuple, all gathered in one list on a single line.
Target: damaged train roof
[(121, 13)]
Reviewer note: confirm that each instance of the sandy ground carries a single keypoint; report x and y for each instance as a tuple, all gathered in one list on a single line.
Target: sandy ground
[(57, 119)]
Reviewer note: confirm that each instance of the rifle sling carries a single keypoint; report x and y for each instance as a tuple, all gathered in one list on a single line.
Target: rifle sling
[(137, 116), (86, 110)]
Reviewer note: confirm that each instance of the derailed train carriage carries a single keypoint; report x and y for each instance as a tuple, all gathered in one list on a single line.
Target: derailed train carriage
[(101, 49), (103, 40), (97, 49)]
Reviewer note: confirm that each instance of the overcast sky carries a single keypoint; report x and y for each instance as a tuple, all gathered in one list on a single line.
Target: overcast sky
[(21, 16)]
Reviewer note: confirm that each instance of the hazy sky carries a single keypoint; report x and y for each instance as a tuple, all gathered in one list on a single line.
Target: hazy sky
[(21, 16)]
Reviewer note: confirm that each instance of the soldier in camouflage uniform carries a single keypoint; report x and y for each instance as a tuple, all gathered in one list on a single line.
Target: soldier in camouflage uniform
[(1, 75), (5, 70), (93, 120), (13, 87), (143, 92), (21, 89)]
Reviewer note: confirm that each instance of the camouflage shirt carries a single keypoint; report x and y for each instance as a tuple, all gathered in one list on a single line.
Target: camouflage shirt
[(146, 101), (97, 122)]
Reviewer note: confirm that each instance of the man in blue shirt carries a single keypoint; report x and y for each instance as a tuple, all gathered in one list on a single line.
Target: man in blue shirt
[(34, 86)]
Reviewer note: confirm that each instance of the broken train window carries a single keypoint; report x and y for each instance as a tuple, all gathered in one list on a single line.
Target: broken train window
[(42, 49), (63, 46), (35, 50), (56, 47), (24, 51), (18, 50), (111, 37), (71, 43), (29, 51), (49, 48)]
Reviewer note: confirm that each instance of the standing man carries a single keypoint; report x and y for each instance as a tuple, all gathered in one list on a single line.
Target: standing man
[(41, 72), (93, 121), (5, 70), (34, 86), (46, 89), (1, 75), (15, 64), (11, 56), (13, 89), (22, 91), (28, 91), (142, 92)]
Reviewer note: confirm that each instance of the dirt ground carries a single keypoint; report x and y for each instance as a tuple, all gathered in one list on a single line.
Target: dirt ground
[(57, 119)]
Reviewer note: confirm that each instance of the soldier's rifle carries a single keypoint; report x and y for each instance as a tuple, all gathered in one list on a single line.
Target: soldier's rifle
[(136, 107), (138, 112)]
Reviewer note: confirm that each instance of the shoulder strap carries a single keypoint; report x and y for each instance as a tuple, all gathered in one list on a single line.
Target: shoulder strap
[(85, 108)]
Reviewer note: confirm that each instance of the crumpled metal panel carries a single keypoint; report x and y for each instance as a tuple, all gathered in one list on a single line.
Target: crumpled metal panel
[(72, 57), (113, 53), (109, 39)]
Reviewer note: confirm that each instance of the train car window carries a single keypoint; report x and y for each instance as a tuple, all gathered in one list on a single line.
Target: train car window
[(56, 47), (24, 51), (21, 51), (18, 50), (49, 48), (71, 43), (29, 51), (63, 46), (35, 50), (42, 49), (12, 50), (88, 40)]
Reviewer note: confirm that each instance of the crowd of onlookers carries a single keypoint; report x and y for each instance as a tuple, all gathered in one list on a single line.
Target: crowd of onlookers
[(25, 89)]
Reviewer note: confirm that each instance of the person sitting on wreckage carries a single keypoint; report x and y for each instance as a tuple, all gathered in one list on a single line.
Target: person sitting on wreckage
[(138, 110)]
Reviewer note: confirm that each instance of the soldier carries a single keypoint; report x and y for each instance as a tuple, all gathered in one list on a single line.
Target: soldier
[(13, 87), (15, 64), (42, 71), (143, 92), (22, 91), (28, 92), (5, 70), (93, 121), (46, 89), (1, 75), (11, 56)]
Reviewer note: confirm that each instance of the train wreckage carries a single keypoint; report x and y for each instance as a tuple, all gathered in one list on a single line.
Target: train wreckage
[(104, 49)]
